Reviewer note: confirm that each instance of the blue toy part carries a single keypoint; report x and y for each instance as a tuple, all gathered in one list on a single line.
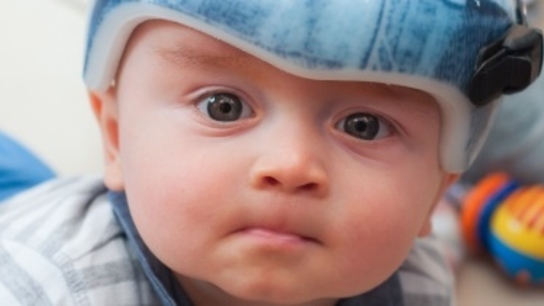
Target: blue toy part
[(520, 267), (443, 47)]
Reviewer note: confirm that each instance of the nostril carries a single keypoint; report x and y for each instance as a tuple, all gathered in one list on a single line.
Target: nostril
[(309, 186), (271, 181)]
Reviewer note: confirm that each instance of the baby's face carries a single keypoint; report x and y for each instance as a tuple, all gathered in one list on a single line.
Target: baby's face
[(254, 184)]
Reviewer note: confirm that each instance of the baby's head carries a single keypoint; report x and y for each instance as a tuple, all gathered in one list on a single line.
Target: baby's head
[(291, 151)]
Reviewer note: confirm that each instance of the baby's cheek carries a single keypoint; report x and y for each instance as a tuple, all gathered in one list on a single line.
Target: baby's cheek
[(367, 260), (380, 238)]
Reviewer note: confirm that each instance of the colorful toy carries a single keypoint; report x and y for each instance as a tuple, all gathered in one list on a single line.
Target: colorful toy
[(506, 220)]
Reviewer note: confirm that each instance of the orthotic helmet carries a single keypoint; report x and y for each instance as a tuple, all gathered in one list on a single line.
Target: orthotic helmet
[(465, 53)]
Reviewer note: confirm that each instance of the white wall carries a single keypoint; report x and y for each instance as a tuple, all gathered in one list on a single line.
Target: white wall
[(43, 102)]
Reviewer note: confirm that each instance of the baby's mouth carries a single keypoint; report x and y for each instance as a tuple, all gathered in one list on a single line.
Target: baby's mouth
[(273, 236)]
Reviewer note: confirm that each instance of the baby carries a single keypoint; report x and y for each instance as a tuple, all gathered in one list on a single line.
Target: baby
[(268, 152)]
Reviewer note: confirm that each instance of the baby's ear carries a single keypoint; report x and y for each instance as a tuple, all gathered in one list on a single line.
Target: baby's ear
[(449, 179), (105, 108)]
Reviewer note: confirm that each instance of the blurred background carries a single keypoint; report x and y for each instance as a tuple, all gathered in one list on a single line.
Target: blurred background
[(43, 104), (42, 98)]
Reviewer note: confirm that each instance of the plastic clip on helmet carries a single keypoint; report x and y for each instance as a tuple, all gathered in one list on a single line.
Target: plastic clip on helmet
[(465, 53)]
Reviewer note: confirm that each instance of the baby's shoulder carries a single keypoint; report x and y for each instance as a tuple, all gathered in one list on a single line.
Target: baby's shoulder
[(60, 243), (425, 276), (55, 213)]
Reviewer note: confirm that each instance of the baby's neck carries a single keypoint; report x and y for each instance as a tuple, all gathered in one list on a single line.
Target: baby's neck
[(205, 294)]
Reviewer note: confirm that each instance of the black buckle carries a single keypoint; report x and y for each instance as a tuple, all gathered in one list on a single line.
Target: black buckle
[(507, 66)]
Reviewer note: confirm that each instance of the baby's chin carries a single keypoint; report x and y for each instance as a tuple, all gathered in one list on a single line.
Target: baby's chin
[(262, 290)]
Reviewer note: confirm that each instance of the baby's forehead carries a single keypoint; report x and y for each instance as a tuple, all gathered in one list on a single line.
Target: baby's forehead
[(183, 46), (177, 41)]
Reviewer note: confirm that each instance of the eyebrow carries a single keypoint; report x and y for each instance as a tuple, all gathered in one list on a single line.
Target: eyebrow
[(184, 57)]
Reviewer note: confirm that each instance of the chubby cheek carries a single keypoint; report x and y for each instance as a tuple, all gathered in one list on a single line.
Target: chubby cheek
[(381, 222), (173, 191)]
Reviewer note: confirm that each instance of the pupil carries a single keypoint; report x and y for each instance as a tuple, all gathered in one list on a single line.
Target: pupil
[(363, 126), (360, 126), (224, 107)]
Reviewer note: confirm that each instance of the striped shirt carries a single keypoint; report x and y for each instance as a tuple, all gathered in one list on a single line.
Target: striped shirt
[(66, 242)]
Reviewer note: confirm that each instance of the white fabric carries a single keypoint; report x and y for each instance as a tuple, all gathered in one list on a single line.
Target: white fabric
[(60, 245)]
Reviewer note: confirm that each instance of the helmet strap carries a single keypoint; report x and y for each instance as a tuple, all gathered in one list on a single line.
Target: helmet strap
[(508, 65)]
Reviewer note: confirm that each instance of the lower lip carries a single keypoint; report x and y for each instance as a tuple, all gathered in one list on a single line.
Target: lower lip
[(275, 238)]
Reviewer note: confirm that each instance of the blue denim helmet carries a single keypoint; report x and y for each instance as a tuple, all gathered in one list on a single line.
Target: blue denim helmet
[(465, 53)]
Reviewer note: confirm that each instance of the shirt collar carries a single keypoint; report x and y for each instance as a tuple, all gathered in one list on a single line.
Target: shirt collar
[(161, 278), (171, 293)]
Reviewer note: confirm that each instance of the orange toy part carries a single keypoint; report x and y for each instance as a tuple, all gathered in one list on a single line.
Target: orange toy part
[(473, 204)]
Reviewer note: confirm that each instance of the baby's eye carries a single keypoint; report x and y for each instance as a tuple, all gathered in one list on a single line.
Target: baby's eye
[(364, 126), (224, 107)]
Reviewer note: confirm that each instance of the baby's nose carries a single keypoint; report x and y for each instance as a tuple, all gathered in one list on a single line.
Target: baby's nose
[(290, 170)]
